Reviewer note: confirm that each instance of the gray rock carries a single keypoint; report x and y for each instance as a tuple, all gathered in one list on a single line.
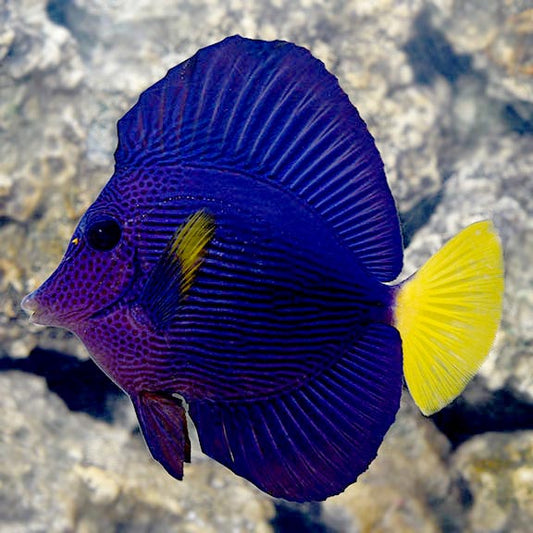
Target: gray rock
[(408, 488), (64, 471), (499, 37), (445, 88), (497, 471), (40, 148), (494, 182)]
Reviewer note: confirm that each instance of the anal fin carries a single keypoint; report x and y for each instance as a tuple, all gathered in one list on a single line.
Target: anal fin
[(164, 427), (312, 442)]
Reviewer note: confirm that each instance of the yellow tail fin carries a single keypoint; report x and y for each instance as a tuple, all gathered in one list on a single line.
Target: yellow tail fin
[(447, 315)]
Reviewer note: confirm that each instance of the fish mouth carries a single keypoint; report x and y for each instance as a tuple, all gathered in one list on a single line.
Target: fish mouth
[(36, 314), (45, 311), (43, 316)]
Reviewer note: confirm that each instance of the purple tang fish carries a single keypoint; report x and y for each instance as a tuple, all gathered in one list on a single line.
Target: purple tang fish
[(235, 271)]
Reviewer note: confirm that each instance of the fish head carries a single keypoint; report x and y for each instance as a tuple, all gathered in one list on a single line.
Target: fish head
[(96, 271)]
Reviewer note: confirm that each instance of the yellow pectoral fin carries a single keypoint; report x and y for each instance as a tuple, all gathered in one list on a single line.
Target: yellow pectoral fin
[(188, 246), (174, 273), (448, 314)]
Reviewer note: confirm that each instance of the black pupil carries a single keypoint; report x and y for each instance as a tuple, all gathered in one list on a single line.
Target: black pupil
[(104, 235)]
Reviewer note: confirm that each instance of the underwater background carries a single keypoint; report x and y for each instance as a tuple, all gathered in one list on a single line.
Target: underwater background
[(446, 88)]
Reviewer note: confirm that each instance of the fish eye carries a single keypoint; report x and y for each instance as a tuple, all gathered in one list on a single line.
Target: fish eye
[(103, 234)]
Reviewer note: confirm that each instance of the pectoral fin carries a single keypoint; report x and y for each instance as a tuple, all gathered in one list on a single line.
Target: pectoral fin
[(164, 427), (174, 273)]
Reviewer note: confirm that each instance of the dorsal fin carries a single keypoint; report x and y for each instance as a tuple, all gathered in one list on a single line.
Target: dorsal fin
[(272, 111)]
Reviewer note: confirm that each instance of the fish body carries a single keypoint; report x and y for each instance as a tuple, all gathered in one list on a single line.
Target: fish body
[(256, 250), (237, 265)]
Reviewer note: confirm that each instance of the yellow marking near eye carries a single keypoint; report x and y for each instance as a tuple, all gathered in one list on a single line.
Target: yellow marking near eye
[(189, 245), (75, 241)]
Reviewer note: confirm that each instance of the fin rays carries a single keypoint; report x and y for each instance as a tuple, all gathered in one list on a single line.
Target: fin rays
[(273, 112), (311, 442), (448, 314), (173, 275)]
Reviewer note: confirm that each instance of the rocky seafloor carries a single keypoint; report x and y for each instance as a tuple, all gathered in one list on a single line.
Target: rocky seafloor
[(446, 88)]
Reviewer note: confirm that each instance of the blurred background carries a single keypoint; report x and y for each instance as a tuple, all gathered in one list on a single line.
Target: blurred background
[(446, 88)]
